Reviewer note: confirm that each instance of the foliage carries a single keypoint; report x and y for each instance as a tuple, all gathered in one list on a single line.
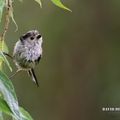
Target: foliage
[(8, 99), (59, 4)]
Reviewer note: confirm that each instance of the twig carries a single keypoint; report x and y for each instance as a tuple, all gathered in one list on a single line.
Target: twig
[(8, 55), (7, 19)]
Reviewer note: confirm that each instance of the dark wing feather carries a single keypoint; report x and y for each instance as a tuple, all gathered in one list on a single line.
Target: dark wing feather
[(38, 60)]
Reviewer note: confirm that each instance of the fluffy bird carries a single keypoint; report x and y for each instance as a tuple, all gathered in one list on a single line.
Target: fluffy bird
[(28, 52)]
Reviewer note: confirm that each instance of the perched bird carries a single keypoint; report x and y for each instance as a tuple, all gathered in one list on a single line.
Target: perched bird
[(28, 52)]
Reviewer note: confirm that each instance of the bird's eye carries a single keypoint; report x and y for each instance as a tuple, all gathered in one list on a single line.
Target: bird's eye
[(39, 36), (31, 38)]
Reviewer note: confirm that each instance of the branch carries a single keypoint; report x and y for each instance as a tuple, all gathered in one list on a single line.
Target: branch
[(7, 18)]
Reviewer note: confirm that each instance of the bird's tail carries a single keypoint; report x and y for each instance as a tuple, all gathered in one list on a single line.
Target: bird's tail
[(34, 78)]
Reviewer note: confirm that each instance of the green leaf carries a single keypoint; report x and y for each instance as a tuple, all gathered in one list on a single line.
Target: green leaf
[(59, 4), (8, 92), (25, 115), (39, 2), (3, 57), (1, 115), (2, 4), (4, 48), (4, 107)]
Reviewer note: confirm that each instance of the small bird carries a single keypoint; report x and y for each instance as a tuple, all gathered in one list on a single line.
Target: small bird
[(28, 52)]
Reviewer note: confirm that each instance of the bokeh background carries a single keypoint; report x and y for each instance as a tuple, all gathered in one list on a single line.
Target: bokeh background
[(80, 69)]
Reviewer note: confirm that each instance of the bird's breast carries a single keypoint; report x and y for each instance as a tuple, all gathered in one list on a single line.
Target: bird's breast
[(32, 52)]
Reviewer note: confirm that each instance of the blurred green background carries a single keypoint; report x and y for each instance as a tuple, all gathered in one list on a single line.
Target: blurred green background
[(80, 69)]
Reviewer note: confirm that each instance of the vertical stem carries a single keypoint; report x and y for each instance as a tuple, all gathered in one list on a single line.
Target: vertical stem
[(7, 16)]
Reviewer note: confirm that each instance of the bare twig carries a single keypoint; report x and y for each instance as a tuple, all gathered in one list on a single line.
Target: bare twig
[(8, 55), (7, 18)]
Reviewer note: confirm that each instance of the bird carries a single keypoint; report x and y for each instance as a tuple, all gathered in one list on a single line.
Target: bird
[(27, 53)]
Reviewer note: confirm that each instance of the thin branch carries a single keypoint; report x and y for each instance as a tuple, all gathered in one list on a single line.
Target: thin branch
[(7, 19)]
